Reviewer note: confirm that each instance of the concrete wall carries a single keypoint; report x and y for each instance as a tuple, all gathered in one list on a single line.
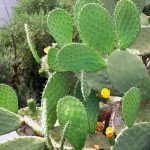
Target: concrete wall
[(3, 14)]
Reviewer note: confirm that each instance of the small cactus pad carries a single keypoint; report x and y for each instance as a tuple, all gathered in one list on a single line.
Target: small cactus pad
[(24, 143), (130, 104), (60, 26), (58, 83), (78, 57), (79, 5), (123, 73), (31, 45), (84, 87), (32, 105), (92, 107), (127, 19), (8, 121), (8, 98), (134, 138), (96, 28), (51, 58), (71, 109), (142, 43)]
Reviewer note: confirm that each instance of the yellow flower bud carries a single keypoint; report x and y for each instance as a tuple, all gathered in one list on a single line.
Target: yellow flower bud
[(109, 132), (47, 49), (105, 93)]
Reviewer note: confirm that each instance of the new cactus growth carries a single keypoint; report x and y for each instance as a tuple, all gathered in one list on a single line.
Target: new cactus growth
[(32, 105)]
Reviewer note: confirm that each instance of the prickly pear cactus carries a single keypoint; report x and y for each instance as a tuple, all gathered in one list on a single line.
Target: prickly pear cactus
[(135, 138), (130, 105), (72, 110), (24, 143), (9, 121), (58, 83), (32, 105), (78, 57), (127, 20), (123, 73), (8, 98), (96, 17), (60, 26)]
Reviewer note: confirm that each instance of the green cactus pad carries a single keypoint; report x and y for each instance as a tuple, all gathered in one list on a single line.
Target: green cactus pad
[(130, 104), (8, 98), (84, 86), (58, 83), (32, 105), (142, 43), (92, 107), (79, 5), (126, 70), (24, 143), (51, 58), (99, 80), (78, 57), (60, 26), (31, 45), (8, 121), (71, 109), (134, 138), (96, 28), (127, 20)]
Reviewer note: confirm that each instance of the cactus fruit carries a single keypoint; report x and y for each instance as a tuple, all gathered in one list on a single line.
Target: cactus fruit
[(31, 45), (51, 58), (57, 83), (92, 107), (121, 71), (100, 33), (127, 20), (60, 26), (130, 105), (79, 5), (8, 121), (32, 105), (24, 143), (142, 43), (84, 87), (8, 98), (71, 109), (134, 138), (79, 57)]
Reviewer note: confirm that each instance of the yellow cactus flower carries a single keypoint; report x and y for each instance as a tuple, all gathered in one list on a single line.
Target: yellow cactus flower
[(109, 132), (105, 93), (47, 49)]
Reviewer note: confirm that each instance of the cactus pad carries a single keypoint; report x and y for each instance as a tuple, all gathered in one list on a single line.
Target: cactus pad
[(92, 107), (78, 57), (24, 143), (32, 105), (72, 110), (79, 5), (96, 28), (123, 73), (127, 19), (58, 83), (134, 138), (130, 104), (142, 43), (8, 121), (51, 58), (8, 98), (60, 26), (31, 45)]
